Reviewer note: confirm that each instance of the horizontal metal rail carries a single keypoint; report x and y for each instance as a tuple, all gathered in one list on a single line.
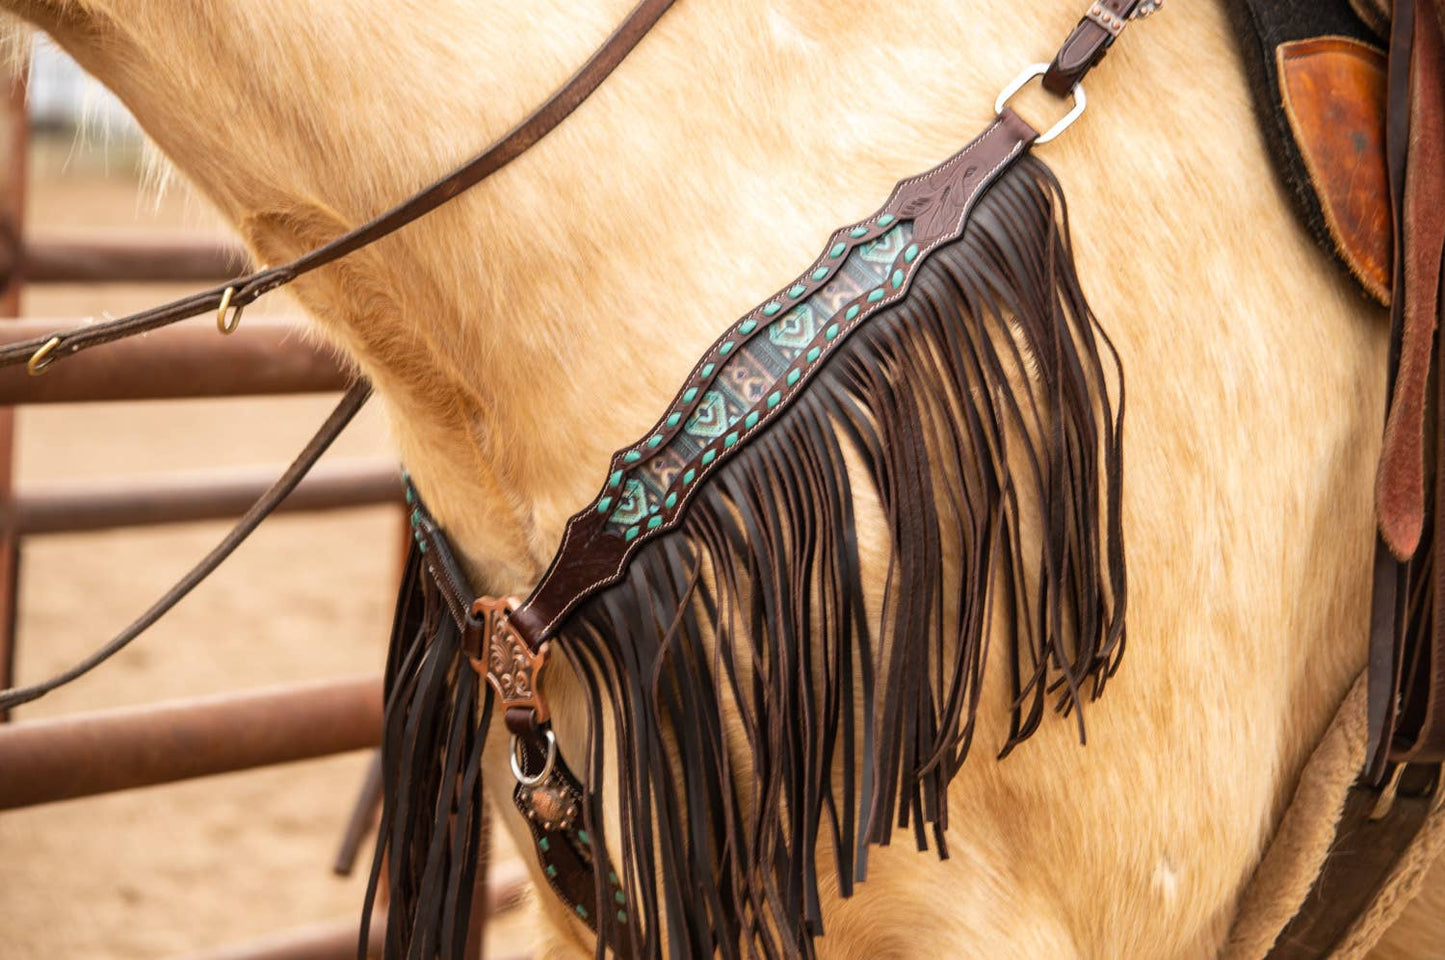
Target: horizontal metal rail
[(190, 359), (75, 507), (130, 256), (42, 761), (323, 941)]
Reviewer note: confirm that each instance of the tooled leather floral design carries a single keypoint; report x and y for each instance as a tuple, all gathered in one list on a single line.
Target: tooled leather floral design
[(507, 661)]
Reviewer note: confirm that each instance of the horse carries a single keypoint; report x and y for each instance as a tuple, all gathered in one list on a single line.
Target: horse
[(522, 333)]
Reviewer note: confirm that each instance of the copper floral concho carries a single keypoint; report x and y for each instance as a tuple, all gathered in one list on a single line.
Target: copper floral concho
[(508, 663)]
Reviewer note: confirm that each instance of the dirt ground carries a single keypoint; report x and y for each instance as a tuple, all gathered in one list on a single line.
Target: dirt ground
[(189, 868)]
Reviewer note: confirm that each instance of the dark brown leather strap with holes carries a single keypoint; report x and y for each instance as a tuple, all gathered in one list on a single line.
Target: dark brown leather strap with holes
[(244, 290), (1090, 40)]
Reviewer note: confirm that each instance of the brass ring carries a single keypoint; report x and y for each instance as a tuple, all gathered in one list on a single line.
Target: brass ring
[(42, 358), (227, 325)]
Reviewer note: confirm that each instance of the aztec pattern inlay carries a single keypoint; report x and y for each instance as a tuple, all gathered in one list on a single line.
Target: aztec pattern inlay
[(748, 382)]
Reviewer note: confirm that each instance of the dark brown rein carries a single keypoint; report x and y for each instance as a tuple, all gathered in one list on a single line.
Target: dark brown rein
[(42, 352)]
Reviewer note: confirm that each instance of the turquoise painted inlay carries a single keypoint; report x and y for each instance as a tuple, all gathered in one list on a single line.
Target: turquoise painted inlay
[(620, 897), (604, 504), (897, 279), (410, 494), (551, 870), (581, 911), (655, 440), (544, 844), (753, 370), (911, 253), (886, 219), (612, 876), (621, 916), (582, 835)]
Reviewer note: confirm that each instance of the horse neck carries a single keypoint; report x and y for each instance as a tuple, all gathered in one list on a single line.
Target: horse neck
[(526, 330)]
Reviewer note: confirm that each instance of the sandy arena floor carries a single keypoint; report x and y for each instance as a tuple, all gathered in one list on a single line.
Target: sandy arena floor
[(181, 869)]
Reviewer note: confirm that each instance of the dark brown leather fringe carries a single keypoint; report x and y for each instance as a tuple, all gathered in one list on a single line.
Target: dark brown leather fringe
[(982, 398), (434, 726)]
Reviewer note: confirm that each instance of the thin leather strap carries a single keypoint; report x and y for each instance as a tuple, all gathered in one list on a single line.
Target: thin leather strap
[(246, 289), (354, 399), (1088, 42)]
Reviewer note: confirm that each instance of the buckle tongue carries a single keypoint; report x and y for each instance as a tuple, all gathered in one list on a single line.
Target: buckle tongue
[(507, 660)]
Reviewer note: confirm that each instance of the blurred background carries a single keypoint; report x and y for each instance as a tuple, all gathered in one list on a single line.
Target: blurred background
[(198, 867)]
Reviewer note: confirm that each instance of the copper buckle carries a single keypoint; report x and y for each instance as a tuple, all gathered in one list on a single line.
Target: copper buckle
[(506, 660)]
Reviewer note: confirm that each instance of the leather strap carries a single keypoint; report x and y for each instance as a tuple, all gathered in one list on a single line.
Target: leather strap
[(354, 399), (244, 290), (1089, 41), (1361, 860)]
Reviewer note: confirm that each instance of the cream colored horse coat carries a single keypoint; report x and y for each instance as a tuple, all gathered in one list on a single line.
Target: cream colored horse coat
[(521, 334)]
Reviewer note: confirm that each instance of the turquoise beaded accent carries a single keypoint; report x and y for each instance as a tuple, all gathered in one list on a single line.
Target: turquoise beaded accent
[(751, 420), (615, 479), (581, 911), (886, 219), (551, 870), (674, 419), (875, 295), (794, 376), (655, 441), (831, 332), (708, 457), (838, 249), (707, 369), (620, 897), (621, 916), (897, 279), (654, 522), (730, 439), (632, 456), (544, 844), (774, 399), (582, 835), (671, 501), (911, 253), (814, 354), (689, 477), (857, 232), (604, 504), (852, 313), (821, 273), (797, 290), (689, 395), (726, 348), (747, 326), (410, 494), (631, 534), (771, 310)]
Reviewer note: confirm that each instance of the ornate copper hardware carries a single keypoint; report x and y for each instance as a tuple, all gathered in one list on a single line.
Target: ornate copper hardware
[(508, 663)]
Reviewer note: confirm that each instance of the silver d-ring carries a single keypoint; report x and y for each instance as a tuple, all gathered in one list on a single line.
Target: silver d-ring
[(1038, 70), (547, 764)]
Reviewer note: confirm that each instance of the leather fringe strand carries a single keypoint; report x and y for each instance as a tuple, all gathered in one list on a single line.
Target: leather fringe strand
[(757, 709)]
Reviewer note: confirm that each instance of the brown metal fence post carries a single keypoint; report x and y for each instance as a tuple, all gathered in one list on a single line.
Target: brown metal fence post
[(14, 128)]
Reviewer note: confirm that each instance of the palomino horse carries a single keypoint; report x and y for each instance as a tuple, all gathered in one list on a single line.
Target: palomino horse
[(521, 334)]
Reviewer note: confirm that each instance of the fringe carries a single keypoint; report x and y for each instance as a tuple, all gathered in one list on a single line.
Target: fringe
[(979, 401), (978, 404)]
